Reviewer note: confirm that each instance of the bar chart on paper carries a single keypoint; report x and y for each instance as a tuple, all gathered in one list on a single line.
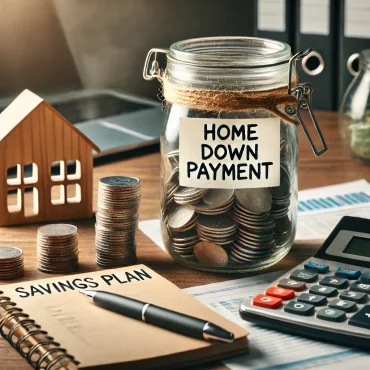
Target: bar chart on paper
[(334, 201), (320, 209)]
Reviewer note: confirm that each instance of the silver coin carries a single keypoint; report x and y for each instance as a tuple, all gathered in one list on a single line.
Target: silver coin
[(180, 217), (218, 222), (255, 200), (120, 181), (11, 253), (218, 197), (57, 230), (185, 235)]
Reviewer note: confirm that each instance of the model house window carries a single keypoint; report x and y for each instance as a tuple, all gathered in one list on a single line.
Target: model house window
[(22, 197), (65, 176)]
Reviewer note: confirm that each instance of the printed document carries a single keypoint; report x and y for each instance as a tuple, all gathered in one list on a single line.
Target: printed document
[(269, 349)]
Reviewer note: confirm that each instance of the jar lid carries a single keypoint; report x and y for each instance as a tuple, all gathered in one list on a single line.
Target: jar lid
[(239, 52)]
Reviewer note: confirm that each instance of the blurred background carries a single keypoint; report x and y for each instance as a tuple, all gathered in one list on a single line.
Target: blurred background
[(59, 46), (50, 46)]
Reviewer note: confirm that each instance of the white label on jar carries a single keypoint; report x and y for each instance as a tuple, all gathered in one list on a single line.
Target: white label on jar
[(229, 153), (356, 19), (271, 15)]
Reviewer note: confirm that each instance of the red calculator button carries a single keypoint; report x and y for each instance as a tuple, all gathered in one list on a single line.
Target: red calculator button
[(263, 300), (277, 292)]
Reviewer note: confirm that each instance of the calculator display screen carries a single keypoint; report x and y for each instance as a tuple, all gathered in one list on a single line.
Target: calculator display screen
[(358, 246)]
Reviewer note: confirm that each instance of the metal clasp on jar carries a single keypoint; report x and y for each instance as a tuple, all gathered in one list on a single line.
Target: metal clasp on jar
[(155, 70), (303, 93)]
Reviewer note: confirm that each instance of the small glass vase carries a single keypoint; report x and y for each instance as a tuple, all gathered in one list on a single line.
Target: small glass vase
[(354, 117)]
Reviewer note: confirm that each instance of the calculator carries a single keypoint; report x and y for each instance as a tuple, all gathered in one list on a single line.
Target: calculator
[(327, 296)]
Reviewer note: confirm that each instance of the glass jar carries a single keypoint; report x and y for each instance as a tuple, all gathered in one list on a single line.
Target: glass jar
[(229, 151), (355, 112)]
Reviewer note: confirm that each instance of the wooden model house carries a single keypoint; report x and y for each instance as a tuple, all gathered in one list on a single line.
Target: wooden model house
[(46, 164)]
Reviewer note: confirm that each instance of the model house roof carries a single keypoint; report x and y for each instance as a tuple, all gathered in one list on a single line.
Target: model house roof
[(25, 103)]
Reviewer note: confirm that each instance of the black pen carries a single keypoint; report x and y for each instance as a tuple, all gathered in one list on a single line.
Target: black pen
[(158, 316)]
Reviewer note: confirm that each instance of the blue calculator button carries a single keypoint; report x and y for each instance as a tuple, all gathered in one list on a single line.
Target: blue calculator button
[(359, 286), (365, 277), (317, 267), (361, 318), (304, 275), (299, 308), (347, 273), (331, 314), (335, 282)]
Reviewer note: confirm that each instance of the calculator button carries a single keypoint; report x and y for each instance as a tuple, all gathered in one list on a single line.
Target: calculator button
[(304, 275), (326, 291), (357, 297), (360, 287), (347, 273), (335, 282), (317, 267), (263, 300), (297, 286), (299, 308), (365, 277), (341, 304), (277, 292), (361, 318), (331, 314), (316, 300)]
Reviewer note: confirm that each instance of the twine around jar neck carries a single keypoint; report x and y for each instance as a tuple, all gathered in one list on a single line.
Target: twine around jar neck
[(274, 101)]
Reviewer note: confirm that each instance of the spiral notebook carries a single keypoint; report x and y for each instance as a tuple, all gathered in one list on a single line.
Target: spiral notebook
[(52, 325)]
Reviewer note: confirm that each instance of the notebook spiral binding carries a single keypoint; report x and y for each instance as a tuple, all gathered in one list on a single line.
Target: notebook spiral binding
[(32, 329)]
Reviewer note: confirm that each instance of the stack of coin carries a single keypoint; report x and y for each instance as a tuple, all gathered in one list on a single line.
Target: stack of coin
[(280, 205), (186, 195), (117, 221), (57, 248), (215, 202), (183, 242), (171, 188), (218, 229), (11, 263), (282, 230), (256, 233), (181, 225)]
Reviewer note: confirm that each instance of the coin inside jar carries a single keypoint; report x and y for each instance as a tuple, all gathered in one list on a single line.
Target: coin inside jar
[(180, 216), (218, 222), (210, 254), (218, 197), (255, 200)]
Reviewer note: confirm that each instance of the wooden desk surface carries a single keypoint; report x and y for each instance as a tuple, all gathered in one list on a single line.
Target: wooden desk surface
[(333, 167)]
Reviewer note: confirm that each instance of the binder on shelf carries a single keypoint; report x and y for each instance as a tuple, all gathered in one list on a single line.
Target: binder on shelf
[(274, 19), (354, 36), (316, 28)]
